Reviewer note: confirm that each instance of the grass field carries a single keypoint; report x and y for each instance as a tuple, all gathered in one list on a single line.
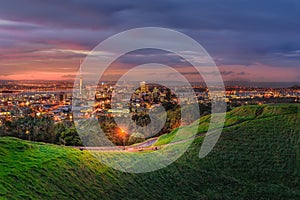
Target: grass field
[(237, 116), (256, 157)]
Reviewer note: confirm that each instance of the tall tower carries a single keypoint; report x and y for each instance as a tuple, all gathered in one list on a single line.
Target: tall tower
[(143, 86), (80, 80)]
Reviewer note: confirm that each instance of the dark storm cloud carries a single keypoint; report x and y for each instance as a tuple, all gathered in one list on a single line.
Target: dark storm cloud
[(145, 56), (234, 32), (226, 73), (242, 73), (67, 13), (246, 15)]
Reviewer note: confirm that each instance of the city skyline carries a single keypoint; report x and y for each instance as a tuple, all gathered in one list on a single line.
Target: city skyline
[(248, 42)]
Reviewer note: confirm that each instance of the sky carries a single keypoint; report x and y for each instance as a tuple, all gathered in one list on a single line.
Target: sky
[(248, 40)]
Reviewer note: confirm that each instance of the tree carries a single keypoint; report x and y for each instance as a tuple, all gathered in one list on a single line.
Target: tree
[(71, 137)]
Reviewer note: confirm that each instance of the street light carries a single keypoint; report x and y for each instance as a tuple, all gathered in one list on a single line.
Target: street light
[(123, 134), (27, 132)]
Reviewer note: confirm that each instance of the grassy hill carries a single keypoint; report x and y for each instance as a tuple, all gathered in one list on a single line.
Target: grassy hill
[(257, 157), (237, 116)]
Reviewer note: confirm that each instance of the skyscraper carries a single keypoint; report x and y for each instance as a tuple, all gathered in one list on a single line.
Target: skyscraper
[(143, 86), (80, 81)]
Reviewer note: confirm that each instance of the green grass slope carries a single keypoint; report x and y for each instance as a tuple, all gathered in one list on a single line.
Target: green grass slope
[(234, 117), (257, 157)]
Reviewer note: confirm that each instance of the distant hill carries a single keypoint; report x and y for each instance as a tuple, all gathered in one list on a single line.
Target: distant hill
[(256, 157), (295, 87)]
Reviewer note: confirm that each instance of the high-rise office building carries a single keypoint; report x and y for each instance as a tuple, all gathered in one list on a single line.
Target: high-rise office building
[(143, 86)]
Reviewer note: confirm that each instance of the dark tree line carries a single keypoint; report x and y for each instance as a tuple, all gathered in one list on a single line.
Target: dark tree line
[(42, 129)]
